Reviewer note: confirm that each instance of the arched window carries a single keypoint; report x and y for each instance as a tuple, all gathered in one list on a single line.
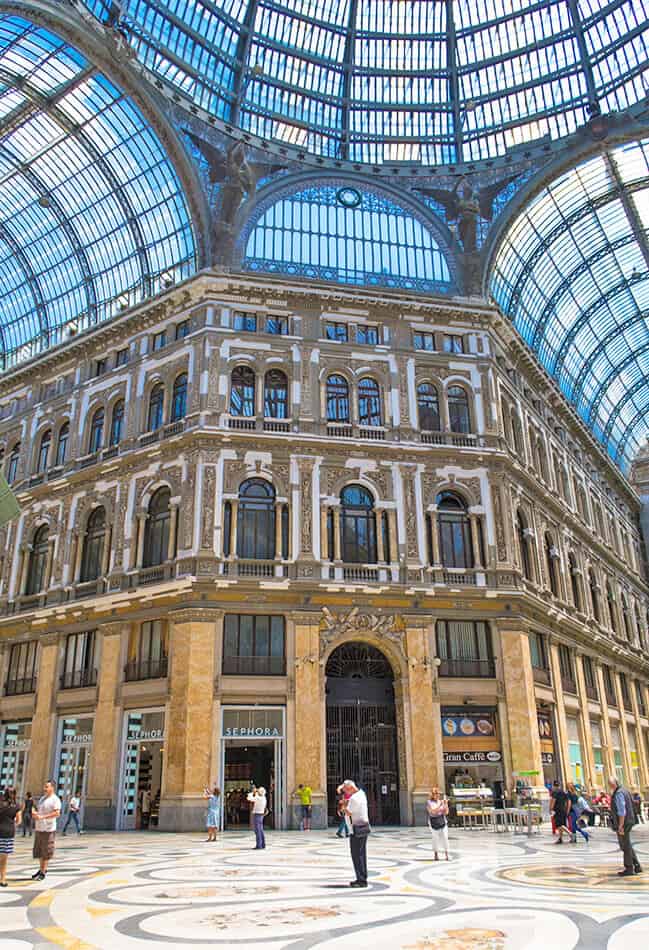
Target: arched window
[(62, 443), (44, 451), (275, 395), (117, 423), (38, 561), (242, 392), (156, 529), (156, 408), (256, 520), (574, 580), (610, 603), (459, 417), (541, 461), (369, 403), (551, 561), (358, 526), (96, 431), (337, 399), (594, 594), (179, 398), (428, 407), (626, 618), (524, 546), (12, 464), (455, 545), (93, 546)]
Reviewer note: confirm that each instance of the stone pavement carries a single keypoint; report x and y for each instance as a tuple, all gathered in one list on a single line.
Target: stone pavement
[(139, 891)]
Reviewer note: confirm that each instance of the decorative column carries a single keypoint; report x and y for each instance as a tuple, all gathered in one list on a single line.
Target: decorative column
[(234, 514), (392, 529), (475, 541), (43, 740), (609, 761), (587, 756), (561, 745), (626, 750), (173, 532), (425, 720), (640, 738), (26, 551), (47, 576), (518, 681), (380, 548), (324, 534), (103, 792), (278, 530), (434, 534), (309, 727), (193, 638), (141, 525), (337, 535), (105, 554)]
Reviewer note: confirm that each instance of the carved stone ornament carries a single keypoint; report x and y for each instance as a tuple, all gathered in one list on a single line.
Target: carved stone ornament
[(235, 473), (207, 509), (306, 501), (333, 626), (501, 542), (332, 477)]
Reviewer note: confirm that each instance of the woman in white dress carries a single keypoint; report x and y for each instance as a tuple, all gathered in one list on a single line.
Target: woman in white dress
[(437, 810)]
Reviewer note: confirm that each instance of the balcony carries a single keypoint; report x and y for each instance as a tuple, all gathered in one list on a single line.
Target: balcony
[(541, 676), (277, 425), (569, 684), (146, 669), (459, 578), (254, 666), (20, 686), (591, 692), (255, 567), (464, 440), (340, 430), (78, 679), (173, 428), (242, 422), (472, 669), (372, 433), (610, 697)]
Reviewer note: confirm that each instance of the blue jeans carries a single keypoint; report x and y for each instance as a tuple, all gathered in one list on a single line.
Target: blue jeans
[(259, 831), (72, 816), (342, 828)]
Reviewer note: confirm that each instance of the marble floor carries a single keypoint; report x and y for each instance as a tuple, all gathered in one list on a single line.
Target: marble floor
[(135, 891)]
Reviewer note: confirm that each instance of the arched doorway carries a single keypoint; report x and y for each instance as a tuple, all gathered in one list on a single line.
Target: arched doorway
[(362, 729)]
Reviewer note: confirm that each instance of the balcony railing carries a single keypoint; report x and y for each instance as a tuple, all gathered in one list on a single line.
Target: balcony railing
[(591, 692), (78, 679), (277, 425), (20, 686), (458, 578), (241, 422), (361, 573), (541, 675), (610, 696), (463, 439), (468, 668), (340, 430), (569, 684), (146, 669), (254, 666)]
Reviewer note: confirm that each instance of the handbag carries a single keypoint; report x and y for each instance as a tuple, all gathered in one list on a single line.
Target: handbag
[(362, 829), (437, 822)]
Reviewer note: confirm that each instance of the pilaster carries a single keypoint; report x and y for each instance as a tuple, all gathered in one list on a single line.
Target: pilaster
[(425, 719), (518, 681), (44, 721), (588, 759), (560, 712), (101, 800), (309, 724)]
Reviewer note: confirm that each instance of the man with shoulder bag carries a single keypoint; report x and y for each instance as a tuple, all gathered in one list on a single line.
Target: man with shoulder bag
[(357, 811), (623, 820)]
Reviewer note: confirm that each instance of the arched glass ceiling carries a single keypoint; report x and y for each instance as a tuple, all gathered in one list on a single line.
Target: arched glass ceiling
[(349, 236), (92, 215), (572, 273), (436, 81)]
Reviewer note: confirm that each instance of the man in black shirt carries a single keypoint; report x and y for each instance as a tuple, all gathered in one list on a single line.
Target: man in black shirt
[(560, 805)]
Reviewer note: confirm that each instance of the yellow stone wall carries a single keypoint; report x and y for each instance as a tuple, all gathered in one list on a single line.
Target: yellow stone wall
[(518, 680)]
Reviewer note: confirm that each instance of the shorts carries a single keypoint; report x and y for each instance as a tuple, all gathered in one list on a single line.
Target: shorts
[(306, 811), (44, 845), (6, 845)]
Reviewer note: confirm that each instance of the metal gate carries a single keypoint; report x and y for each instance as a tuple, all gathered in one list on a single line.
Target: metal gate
[(362, 731)]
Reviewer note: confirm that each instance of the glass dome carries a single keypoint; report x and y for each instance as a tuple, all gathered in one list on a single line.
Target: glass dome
[(432, 81), (571, 273)]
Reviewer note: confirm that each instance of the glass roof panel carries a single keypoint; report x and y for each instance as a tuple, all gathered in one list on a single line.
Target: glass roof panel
[(572, 274), (436, 82), (92, 215)]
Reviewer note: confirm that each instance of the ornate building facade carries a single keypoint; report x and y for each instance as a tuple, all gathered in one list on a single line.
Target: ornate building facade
[(248, 501)]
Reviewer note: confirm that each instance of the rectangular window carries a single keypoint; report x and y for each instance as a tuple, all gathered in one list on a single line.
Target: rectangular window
[(79, 661), (247, 322), (254, 645), (589, 672), (640, 696), (182, 329), (336, 331), (278, 326), (453, 343), (598, 752), (624, 689), (633, 755), (608, 686), (159, 340), (100, 367), (616, 743), (121, 357), (567, 669), (464, 648), (539, 651), (21, 673), (424, 341), (574, 750), (367, 335), (147, 655)]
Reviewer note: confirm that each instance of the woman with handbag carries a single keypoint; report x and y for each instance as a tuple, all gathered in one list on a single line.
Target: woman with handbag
[(437, 811)]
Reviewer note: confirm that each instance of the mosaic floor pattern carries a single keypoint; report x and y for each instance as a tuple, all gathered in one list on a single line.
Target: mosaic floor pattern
[(138, 891)]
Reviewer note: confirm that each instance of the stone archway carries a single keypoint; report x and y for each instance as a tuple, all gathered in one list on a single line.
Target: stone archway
[(362, 728)]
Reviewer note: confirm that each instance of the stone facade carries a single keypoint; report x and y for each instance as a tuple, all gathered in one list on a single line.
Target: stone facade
[(526, 469)]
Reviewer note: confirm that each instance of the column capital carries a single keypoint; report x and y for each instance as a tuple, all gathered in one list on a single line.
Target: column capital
[(313, 617), (417, 620), (195, 615), (49, 639), (113, 628)]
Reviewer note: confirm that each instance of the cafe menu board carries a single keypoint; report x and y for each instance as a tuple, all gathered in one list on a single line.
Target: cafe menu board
[(545, 727), (468, 725)]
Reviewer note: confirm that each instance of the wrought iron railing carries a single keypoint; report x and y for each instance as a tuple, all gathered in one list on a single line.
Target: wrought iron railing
[(146, 669)]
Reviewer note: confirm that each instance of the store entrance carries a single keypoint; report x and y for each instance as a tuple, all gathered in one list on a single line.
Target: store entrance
[(362, 730), (246, 766)]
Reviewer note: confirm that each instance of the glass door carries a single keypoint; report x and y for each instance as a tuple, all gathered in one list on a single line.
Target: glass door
[(129, 787), (72, 774), (278, 783), (14, 755)]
